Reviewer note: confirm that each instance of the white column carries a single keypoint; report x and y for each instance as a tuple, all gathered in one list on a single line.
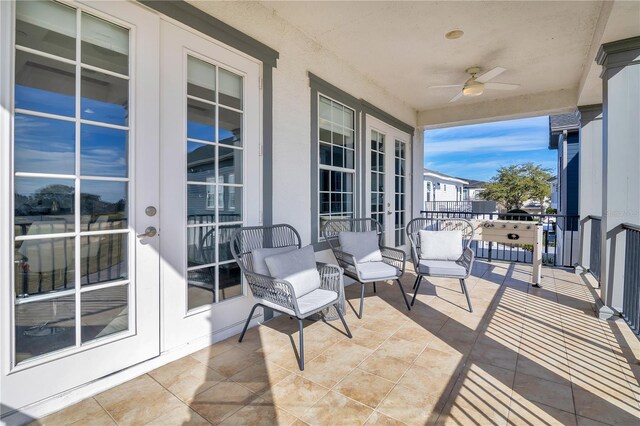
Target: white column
[(621, 161), (417, 172), (590, 197)]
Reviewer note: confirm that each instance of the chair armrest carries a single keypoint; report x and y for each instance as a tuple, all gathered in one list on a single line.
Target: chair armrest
[(279, 292), (331, 277), (466, 259), (394, 257), (345, 260)]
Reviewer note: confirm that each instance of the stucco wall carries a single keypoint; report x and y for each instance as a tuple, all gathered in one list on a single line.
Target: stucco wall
[(291, 113)]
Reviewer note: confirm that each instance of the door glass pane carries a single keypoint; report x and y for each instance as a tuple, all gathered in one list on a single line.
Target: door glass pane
[(44, 265), (400, 193), (377, 176), (45, 203), (104, 312), (230, 281), (219, 164), (44, 326), (44, 85), (46, 26), (105, 45), (104, 258), (57, 155), (43, 206)]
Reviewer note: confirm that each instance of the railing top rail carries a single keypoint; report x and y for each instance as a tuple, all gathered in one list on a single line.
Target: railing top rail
[(631, 226), (593, 217), (504, 214)]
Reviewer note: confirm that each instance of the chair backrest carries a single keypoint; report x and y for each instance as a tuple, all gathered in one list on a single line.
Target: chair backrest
[(333, 227), (249, 238), (437, 224)]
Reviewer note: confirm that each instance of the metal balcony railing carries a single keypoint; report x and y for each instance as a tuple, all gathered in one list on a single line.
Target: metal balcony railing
[(469, 206), (631, 295), (559, 232), (594, 246)]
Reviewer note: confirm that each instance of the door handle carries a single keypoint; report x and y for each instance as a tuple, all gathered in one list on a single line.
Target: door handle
[(388, 213), (150, 232)]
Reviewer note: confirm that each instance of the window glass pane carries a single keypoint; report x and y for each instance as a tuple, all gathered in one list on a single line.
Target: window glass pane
[(201, 245), (44, 145), (201, 162), (230, 89), (45, 326), (201, 79), (349, 160), (43, 206), (104, 98), (201, 121), (230, 281), (104, 312), (44, 85), (46, 26), (201, 285), (325, 109), (347, 118), (324, 180), (325, 134), (230, 165), (338, 156), (230, 127), (44, 265), (229, 203), (103, 205), (325, 154), (201, 203), (325, 203), (348, 139), (103, 151), (104, 258), (338, 137), (105, 45)]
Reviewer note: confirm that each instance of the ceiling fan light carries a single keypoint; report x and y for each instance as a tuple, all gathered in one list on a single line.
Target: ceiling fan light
[(475, 89)]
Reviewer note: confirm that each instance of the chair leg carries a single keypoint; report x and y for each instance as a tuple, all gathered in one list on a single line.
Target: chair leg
[(301, 363), (246, 324), (344, 323), (418, 281), (466, 293), (415, 283), (361, 301), (404, 295), (374, 287)]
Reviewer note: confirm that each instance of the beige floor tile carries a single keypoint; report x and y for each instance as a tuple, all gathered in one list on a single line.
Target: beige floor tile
[(183, 416), (367, 338), (347, 353), (410, 407), (260, 377), (433, 380), (584, 421), (221, 401), (203, 355), (401, 349), (449, 361), (384, 366), (379, 419), (336, 409), (364, 387), (493, 353), (606, 408), (167, 374), (325, 371), (295, 394), (552, 369), (534, 413), (531, 388), (82, 412), (413, 332), (138, 401), (287, 358), (233, 361), (259, 412)]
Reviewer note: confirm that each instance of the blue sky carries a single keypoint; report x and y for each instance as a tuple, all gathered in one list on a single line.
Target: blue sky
[(477, 151)]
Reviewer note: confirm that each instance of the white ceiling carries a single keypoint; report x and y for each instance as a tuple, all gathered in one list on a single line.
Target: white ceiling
[(546, 46)]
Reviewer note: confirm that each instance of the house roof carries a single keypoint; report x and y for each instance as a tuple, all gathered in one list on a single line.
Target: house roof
[(559, 123), (443, 176), (476, 183)]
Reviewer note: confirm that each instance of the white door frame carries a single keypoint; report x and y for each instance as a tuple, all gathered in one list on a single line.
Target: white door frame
[(391, 134), (33, 381)]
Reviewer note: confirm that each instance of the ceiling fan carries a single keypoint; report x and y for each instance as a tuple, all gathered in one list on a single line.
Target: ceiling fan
[(476, 84)]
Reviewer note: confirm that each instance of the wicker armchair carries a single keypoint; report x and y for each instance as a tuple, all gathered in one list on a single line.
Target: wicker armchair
[(460, 268), (279, 295), (359, 271)]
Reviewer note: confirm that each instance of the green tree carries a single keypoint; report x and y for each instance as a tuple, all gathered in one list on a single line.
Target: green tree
[(513, 185)]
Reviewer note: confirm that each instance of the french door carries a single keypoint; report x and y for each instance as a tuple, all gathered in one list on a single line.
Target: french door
[(79, 190), (210, 183), (388, 179)]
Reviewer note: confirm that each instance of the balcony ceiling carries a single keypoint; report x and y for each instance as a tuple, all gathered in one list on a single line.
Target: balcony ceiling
[(547, 47)]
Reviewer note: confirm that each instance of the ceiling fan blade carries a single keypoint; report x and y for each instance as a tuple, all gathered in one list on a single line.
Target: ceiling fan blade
[(490, 74), (456, 97), (501, 86), (445, 86)]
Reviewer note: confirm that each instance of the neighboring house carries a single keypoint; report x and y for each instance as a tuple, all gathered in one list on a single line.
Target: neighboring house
[(553, 183), (473, 190), (441, 187), (564, 137)]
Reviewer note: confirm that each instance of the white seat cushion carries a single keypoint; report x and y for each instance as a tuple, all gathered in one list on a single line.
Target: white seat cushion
[(447, 268), (363, 246), (259, 255), (376, 271), (316, 299), (298, 267), (440, 245)]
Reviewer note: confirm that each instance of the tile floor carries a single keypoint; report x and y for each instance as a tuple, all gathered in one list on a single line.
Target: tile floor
[(525, 356)]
